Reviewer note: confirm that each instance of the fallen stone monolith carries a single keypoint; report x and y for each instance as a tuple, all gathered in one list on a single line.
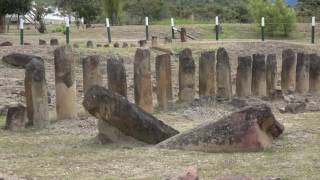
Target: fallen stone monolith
[(164, 81), (6, 43), (302, 73), (187, 69), (259, 82), (142, 80), (117, 79), (36, 94), (89, 44), (271, 74), (288, 74), (127, 118), (223, 69), (183, 35), (314, 73), (251, 129), (54, 42), (16, 118), (92, 71), (66, 94), (207, 74), (244, 76), (19, 60)]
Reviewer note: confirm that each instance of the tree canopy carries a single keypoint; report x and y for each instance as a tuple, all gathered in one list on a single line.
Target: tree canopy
[(14, 6)]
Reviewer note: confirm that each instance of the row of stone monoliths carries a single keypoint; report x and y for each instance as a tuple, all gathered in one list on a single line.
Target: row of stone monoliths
[(256, 76)]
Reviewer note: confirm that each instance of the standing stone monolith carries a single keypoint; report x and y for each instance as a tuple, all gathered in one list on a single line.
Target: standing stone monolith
[(90, 44), (66, 93), (244, 76), (315, 73), (288, 74), (164, 81), (154, 41), (251, 129), (207, 74), (16, 118), (187, 69), (36, 93), (54, 42), (117, 79), (302, 73), (271, 74), (142, 80), (143, 43), (183, 35), (92, 71), (259, 82), (223, 68), (126, 119)]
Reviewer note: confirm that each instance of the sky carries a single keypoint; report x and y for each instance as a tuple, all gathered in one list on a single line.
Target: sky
[(292, 2)]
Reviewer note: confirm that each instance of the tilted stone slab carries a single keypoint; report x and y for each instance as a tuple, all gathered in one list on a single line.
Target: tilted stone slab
[(128, 118), (251, 129), (19, 60)]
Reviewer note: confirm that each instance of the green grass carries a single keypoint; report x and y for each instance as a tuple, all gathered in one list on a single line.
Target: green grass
[(2, 121)]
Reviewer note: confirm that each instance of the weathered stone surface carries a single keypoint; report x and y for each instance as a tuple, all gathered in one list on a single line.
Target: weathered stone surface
[(223, 68), (92, 71), (244, 76), (233, 178), (259, 82), (128, 118), (191, 173), (187, 71), (54, 42), (116, 45), (75, 45), (19, 60), (36, 95), (167, 40), (271, 74), (154, 41), (106, 45), (288, 74), (314, 73), (183, 35), (99, 45), (302, 73), (164, 81), (294, 108), (64, 61), (142, 43), (16, 118), (207, 74), (6, 43), (251, 129), (142, 80), (90, 44), (117, 79), (125, 45), (42, 42)]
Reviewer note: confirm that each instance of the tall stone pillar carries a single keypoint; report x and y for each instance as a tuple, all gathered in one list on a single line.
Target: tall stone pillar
[(288, 74), (314, 73), (207, 74), (92, 71), (187, 71), (117, 78), (259, 83), (244, 76), (302, 73), (223, 68), (271, 74)]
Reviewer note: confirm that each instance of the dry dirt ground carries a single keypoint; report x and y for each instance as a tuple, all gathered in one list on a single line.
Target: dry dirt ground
[(68, 149)]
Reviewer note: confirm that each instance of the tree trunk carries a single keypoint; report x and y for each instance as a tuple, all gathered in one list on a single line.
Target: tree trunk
[(2, 24)]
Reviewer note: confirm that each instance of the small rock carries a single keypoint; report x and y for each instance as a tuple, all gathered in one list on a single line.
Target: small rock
[(16, 118), (106, 45), (75, 45), (116, 45), (238, 103), (143, 43), (125, 45), (7, 43), (99, 45), (42, 42), (54, 42), (89, 44), (133, 45), (294, 108), (167, 40)]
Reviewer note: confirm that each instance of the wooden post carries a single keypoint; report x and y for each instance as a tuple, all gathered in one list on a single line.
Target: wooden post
[(147, 28), (21, 31), (183, 35), (259, 82), (108, 30), (92, 71), (117, 79), (223, 68), (244, 76), (187, 71), (172, 29), (66, 93), (142, 79), (314, 73), (217, 28), (207, 74), (164, 82)]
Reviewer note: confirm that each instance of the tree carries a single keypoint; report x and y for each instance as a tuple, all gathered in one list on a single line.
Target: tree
[(308, 8), (88, 9), (279, 17), (112, 9), (20, 7)]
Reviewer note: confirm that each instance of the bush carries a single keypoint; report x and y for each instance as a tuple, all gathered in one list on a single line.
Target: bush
[(279, 17), (59, 29)]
